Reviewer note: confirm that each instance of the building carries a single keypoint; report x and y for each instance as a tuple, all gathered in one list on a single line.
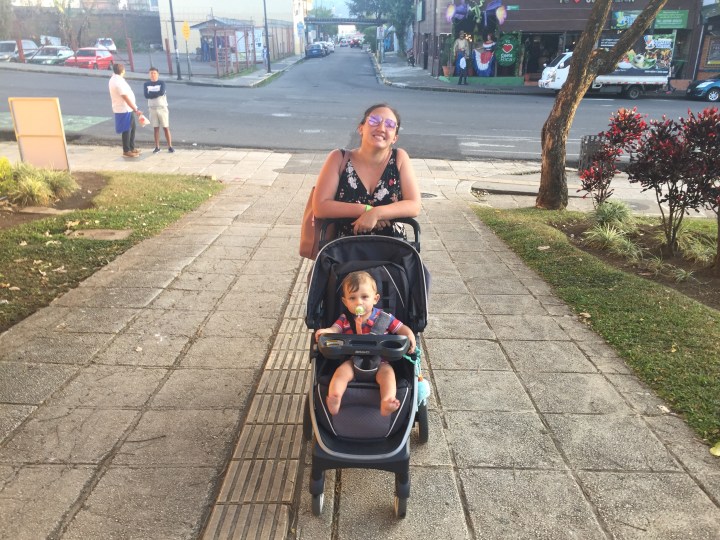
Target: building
[(283, 18), (547, 27), (709, 61)]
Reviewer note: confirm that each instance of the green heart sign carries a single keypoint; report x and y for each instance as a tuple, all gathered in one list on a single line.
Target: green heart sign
[(507, 50)]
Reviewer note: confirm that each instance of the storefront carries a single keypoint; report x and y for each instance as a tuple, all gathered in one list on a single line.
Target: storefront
[(709, 61), (545, 28)]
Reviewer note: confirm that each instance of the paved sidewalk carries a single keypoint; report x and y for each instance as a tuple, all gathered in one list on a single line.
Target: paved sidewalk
[(162, 398)]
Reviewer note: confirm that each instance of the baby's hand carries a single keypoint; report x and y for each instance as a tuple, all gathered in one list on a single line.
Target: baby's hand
[(321, 332), (411, 338)]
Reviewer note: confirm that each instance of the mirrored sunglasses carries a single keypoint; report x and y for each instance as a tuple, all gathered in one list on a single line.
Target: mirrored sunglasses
[(375, 120)]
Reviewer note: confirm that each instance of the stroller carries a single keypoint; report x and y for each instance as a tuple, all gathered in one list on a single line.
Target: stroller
[(358, 436)]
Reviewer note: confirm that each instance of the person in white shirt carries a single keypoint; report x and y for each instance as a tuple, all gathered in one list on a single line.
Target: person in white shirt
[(125, 109)]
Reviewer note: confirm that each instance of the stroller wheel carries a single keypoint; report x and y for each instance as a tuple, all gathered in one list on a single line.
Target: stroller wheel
[(307, 422), (423, 425), (317, 504), (400, 507)]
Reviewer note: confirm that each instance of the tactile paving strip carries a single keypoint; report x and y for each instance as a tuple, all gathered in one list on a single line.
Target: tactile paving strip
[(257, 493)]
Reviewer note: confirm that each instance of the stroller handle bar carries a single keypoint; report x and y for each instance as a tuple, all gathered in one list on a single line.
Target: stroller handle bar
[(347, 221), (339, 346)]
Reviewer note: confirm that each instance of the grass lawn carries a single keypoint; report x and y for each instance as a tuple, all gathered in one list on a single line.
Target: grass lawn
[(669, 340), (39, 262)]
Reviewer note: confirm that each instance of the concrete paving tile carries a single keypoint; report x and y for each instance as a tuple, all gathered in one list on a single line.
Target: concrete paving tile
[(190, 438), (244, 521), (641, 398), (466, 354), (235, 323), (526, 327), (165, 322), (509, 304), (218, 251), (207, 265), (588, 393), (447, 284), (109, 387), (434, 509), (481, 391), (189, 388), (495, 285), (218, 352), (610, 442), (191, 281), (31, 384), (107, 297), (92, 320), (11, 416), (501, 439), (477, 273), (36, 497), (689, 450), (184, 300), (287, 266), (255, 284), (448, 325), (528, 504), (466, 259), (131, 496), (143, 350), (56, 348), (536, 286), (65, 435), (149, 263), (436, 451), (131, 279), (264, 305), (452, 303), (652, 505)]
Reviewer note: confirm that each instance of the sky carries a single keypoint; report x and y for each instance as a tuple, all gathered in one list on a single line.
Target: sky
[(341, 9)]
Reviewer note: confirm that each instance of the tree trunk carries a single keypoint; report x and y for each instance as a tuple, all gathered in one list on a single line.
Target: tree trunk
[(587, 63), (717, 245)]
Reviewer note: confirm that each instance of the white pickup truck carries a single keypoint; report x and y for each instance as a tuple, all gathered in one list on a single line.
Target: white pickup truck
[(638, 72)]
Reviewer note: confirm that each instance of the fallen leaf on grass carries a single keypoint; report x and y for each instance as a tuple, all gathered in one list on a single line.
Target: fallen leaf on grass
[(585, 315), (14, 289), (673, 347), (23, 243), (715, 450), (52, 243), (60, 270), (543, 248)]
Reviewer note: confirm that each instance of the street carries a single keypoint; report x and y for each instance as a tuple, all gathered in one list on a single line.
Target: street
[(315, 106)]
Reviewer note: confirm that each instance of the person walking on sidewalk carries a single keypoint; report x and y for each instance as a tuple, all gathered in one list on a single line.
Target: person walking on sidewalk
[(125, 110), (154, 90)]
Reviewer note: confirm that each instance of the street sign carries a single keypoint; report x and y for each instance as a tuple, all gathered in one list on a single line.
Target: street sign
[(186, 30)]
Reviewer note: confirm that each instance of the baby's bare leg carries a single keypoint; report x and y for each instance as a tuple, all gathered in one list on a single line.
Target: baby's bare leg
[(388, 389), (338, 384)]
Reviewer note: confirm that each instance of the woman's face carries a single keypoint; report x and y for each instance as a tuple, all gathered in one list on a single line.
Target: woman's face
[(379, 128)]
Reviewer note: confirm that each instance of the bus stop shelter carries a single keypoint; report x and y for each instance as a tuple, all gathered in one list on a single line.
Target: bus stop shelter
[(229, 43)]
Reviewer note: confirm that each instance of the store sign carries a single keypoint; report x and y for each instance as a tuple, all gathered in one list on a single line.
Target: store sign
[(507, 50), (667, 19)]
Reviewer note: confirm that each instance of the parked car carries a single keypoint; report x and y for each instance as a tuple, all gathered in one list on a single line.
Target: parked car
[(9, 49), (329, 45), (91, 58), (316, 50), (106, 42), (50, 55), (708, 89)]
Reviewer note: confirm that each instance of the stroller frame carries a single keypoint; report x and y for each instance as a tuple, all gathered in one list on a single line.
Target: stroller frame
[(390, 453)]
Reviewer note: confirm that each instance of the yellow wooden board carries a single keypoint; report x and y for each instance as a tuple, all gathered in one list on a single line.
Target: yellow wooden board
[(39, 132)]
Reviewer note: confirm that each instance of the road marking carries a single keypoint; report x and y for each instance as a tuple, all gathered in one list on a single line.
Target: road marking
[(282, 115), (71, 123), (476, 144)]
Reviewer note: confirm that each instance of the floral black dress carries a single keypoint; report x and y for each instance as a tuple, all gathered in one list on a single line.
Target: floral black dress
[(352, 190)]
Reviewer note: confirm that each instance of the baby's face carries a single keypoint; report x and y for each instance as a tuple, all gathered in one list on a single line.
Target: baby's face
[(365, 297)]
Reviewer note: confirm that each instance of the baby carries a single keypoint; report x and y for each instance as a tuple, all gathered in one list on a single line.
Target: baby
[(359, 296)]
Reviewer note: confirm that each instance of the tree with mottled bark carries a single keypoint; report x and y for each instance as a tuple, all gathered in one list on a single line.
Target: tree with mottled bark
[(587, 63)]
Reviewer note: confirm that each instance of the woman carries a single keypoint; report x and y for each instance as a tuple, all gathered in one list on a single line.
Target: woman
[(376, 185)]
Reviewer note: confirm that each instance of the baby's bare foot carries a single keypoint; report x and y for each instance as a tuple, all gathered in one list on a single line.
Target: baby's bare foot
[(389, 406), (333, 403)]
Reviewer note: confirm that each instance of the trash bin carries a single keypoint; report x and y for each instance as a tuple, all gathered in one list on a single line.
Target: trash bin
[(589, 146)]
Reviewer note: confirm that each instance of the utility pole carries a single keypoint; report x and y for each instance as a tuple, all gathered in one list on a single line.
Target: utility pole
[(177, 54), (267, 37)]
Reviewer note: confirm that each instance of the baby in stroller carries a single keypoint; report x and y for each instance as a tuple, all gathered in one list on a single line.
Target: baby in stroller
[(359, 297)]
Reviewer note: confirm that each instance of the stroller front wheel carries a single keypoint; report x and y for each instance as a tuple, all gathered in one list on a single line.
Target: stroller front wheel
[(317, 504)]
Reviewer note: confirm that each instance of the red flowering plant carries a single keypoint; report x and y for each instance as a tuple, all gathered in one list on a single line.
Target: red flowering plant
[(625, 131), (703, 134), (667, 162)]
